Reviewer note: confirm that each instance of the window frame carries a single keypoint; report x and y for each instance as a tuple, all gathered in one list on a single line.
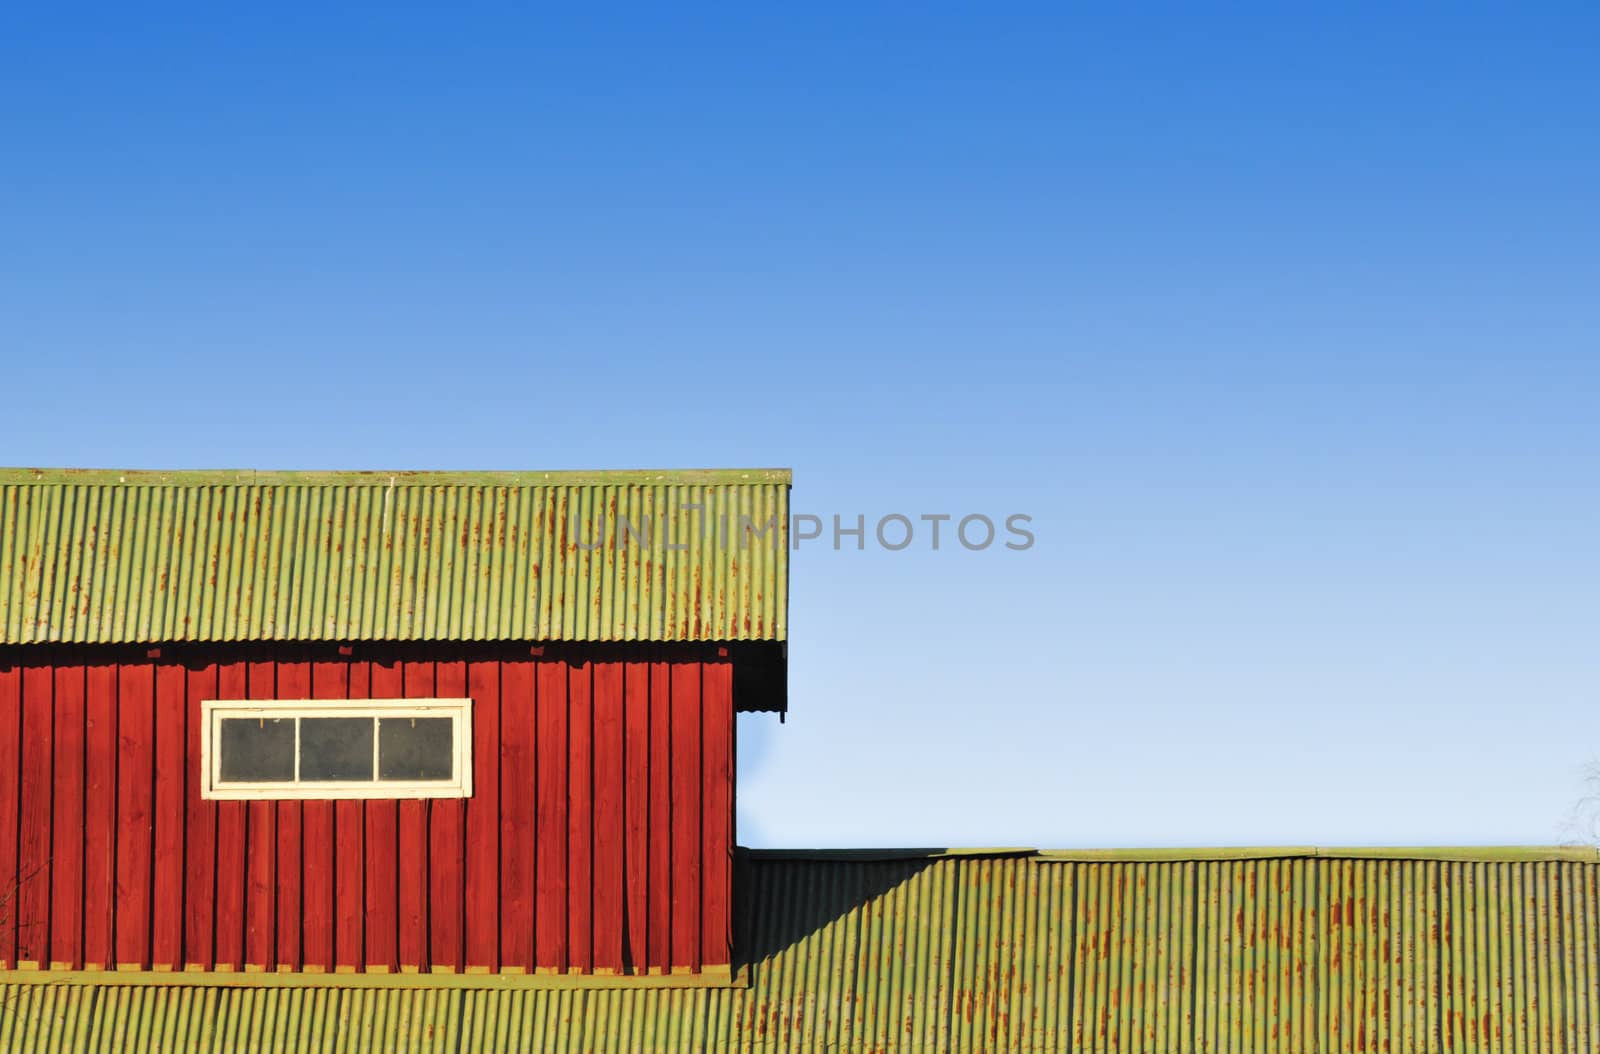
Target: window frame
[(214, 711)]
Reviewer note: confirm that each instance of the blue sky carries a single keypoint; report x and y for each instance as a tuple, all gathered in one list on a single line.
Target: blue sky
[(1280, 324)]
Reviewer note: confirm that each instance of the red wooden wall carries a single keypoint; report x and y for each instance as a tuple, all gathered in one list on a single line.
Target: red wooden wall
[(599, 835)]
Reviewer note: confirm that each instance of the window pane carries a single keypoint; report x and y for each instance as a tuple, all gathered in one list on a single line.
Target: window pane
[(335, 748), (257, 750), (415, 748)]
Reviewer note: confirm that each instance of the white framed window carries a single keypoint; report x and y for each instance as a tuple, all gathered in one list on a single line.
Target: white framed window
[(336, 748)]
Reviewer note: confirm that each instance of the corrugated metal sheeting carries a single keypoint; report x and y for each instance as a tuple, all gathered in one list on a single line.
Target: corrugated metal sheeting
[(134, 557), (1490, 951)]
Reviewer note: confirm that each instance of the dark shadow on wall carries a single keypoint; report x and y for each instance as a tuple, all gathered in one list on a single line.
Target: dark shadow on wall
[(782, 897)]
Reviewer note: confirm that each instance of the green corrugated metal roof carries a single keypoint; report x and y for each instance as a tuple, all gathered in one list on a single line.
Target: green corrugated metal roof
[(1336, 950), (1476, 853), (107, 556)]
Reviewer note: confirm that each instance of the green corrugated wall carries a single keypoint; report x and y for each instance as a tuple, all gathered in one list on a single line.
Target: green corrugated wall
[(131, 557), (1023, 952)]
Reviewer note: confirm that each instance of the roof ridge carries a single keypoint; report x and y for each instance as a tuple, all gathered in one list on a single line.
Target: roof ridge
[(1481, 853), (12, 476)]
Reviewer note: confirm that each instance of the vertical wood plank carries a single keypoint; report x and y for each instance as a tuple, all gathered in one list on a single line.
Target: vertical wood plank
[(200, 822), (350, 847), (382, 834), (717, 833), (67, 824), (607, 743), (446, 849), (261, 847), (99, 810), (660, 892), (233, 819), (517, 808), (288, 908), (482, 878), (166, 929), (329, 680), (580, 817), (10, 802), (636, 808), (686, 895), (30, 899), (550, 923), (294, 682), (413, 861), (261, 838), (136, 690)]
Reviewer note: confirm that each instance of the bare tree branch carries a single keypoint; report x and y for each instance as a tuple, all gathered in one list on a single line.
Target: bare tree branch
[(1583, 825)]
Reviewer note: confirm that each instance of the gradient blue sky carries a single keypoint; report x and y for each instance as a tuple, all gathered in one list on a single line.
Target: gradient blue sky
[(1282, 324)]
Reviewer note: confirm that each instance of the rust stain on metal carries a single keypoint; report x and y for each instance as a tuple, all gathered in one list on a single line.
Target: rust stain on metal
[(382, 557)]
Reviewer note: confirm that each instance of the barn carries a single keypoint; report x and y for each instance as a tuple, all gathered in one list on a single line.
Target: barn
[(446, 762)]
